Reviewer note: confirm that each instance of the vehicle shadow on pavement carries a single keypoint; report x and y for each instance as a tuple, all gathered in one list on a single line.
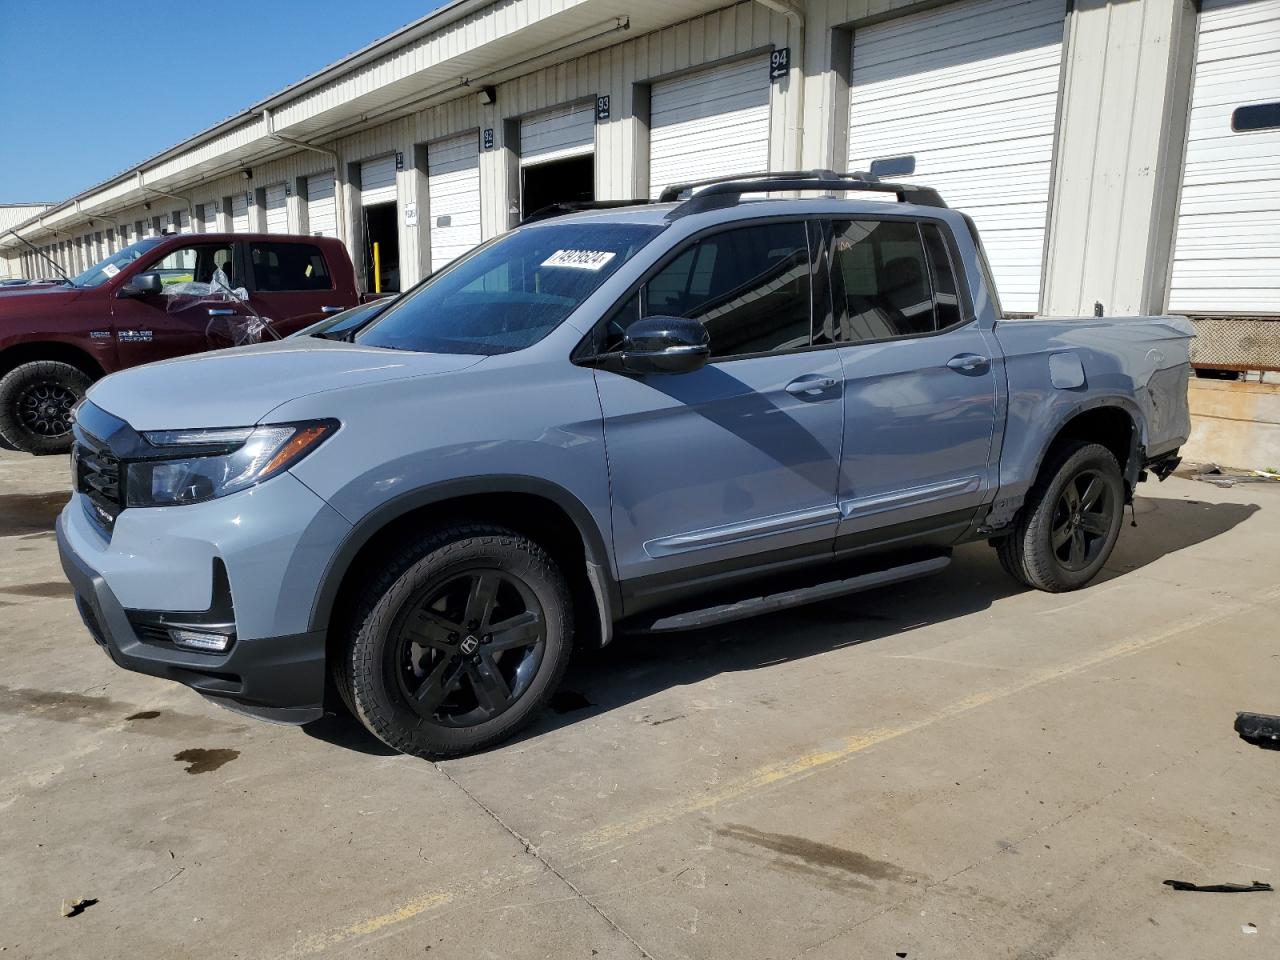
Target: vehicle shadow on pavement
[(637, 666), (634, 667)]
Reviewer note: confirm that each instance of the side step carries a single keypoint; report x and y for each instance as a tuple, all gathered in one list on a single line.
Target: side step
[(767, 603)]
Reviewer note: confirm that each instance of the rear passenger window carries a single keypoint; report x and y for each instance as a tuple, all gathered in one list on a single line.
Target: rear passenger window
[(288, 266), (891, 278), (750, 287)]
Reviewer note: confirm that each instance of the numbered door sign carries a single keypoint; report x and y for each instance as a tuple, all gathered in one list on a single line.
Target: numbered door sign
[(779, 63), (488, 138), (602, 109)]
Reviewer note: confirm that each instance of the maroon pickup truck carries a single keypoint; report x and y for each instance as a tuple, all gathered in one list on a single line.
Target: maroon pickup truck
[(161, 297)]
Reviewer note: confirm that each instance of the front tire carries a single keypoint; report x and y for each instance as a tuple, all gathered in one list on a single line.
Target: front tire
[(36, 400), (459, 642), (1070, 522)]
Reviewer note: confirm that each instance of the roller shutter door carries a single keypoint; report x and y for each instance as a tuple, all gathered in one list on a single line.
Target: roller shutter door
[(453, 188), (277, 209), (378, 181), (322, 212), (971, 91), (709, 123), (1227, 248), (240, 213), (557, 134), (209, 218)]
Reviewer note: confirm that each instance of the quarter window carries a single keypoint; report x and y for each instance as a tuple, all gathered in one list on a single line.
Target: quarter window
[(750, 287), (891, 278), (288, 266)]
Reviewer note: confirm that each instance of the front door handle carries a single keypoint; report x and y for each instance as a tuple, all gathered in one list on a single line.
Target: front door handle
[(969, 363), (810, 386), (221, 312), (332, 309)]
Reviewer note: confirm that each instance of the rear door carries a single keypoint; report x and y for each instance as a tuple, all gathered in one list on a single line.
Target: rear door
[(291, 284), (735, 464), (920, 394)]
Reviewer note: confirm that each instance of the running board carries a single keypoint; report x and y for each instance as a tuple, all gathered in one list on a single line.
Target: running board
[(768, 603)]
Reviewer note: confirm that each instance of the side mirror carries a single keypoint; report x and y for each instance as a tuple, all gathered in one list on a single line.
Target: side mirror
[(665, 345), (143, 285)]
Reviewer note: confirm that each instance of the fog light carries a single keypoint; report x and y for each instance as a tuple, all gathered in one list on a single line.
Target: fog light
[(199, 640)]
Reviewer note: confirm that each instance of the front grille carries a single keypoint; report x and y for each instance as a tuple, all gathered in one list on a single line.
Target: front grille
[(98, 478)]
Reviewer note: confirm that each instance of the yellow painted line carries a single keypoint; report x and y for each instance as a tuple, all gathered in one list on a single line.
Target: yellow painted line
[(815, 760), (363, 928)]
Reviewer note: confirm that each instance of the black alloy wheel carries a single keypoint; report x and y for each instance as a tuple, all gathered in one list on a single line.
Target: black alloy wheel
[(470, 648), (1082, 519), (44, 408)]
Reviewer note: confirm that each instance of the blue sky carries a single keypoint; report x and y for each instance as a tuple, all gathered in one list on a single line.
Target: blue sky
[(88, 89)]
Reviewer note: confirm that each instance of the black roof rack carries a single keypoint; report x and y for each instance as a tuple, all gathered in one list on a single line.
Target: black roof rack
[(726, 191), (577, 206)]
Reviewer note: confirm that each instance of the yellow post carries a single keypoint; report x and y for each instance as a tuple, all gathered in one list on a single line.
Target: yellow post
[(377, 269)]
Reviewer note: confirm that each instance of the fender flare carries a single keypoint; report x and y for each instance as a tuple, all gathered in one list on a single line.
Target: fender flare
[(599, 570)]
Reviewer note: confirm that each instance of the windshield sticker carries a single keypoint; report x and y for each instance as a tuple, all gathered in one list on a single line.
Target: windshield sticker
[(110, 269), (579, 259)]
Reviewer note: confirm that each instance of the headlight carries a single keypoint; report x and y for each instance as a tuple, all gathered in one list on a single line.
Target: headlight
[(213, 463)]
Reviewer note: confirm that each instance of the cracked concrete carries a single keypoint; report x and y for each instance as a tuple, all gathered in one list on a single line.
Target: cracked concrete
[(951, 768)]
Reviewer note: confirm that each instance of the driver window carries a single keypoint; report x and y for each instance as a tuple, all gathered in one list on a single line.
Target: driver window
[(750, 287), (195, 263)]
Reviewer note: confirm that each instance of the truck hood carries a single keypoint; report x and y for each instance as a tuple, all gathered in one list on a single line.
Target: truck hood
[(14, 299), (241, 386)]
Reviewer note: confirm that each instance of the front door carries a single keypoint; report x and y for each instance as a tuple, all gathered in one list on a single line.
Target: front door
[(920, 395), (733, 465), (290, 284), (185, 317)]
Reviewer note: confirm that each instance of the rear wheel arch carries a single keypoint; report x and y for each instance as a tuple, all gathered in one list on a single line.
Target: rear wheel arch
[(541, 510), (1111, 422)]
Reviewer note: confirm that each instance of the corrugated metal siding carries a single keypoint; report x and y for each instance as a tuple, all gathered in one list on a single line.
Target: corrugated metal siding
[(453, 185), (709, 123), (1227, 248), (971, 90), (277, 213)]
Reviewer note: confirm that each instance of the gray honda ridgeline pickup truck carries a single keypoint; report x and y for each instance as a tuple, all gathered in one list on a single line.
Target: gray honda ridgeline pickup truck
[(641, 418)]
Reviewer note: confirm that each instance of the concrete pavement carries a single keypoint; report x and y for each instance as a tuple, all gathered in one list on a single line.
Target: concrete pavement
[(950, 768)]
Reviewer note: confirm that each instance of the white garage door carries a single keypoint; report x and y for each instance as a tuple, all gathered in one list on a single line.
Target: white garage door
[(240, 213), (277, 209), (971, 91), (453, 189), (378, 181), (322, 213), (557, 134), (1227, 249), (208, 218), (710, 123)]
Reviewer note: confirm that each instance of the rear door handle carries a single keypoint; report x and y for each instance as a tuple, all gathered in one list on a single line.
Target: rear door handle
[(969, 363), (810, 386), (332, 309), (221, 312)]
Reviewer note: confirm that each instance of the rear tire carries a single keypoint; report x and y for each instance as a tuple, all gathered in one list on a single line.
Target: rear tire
[(1070, 522), (458, 642), (36, 399)]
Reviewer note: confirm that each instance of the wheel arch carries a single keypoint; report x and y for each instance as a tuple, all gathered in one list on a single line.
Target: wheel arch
[(56, 350), (1114, 422), (537, 508)]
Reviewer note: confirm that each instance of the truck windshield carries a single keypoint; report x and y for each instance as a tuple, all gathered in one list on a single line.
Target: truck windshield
[(100, 273), (511, 293)]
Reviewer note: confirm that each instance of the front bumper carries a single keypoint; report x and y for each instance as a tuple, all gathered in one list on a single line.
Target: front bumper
[(281, 678)]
